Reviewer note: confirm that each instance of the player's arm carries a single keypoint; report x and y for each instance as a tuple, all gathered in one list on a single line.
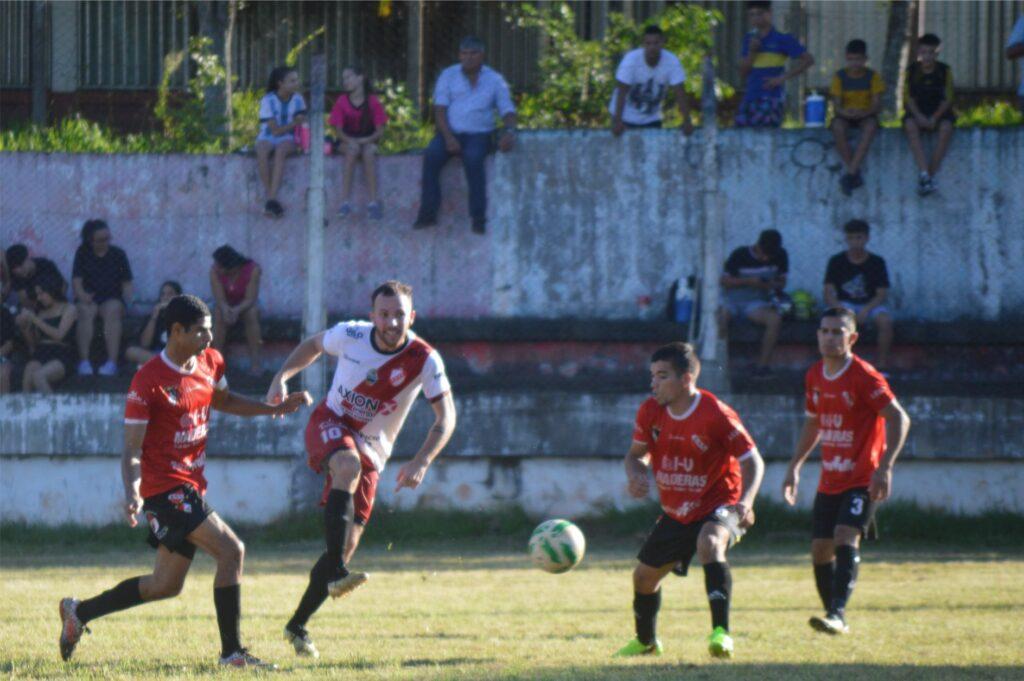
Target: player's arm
[(621, 92), (897, 425), (805, 444), (411, 474), (239, 405), (752, 472), (131, 469), (304, 354), (679, 92), (637, 462)]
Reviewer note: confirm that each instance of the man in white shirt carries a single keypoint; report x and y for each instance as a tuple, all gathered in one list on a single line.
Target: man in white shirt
[(643, 77), (465, 98)]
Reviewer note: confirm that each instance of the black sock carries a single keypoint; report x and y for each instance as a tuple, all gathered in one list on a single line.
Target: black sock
[(645, 610), (316, 593), (123, 596), (847, 559), (228, 602), (338, 514), (824, 574), (718, 583)]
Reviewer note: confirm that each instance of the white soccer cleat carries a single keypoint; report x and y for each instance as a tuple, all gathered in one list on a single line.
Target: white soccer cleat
[(347, 584), (831, 623), (302, 643)]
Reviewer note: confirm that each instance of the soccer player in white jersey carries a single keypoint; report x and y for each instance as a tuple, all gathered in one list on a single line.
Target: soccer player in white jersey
[(382, 367)]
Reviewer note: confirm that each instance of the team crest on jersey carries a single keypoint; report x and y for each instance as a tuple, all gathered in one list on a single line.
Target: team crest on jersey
[(848, 398), (397, 377), (814, 398), (655, 432), (371, 376), (698, 443), (172, 394)]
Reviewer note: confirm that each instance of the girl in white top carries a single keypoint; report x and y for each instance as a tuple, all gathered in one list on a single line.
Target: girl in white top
[(282, 110)]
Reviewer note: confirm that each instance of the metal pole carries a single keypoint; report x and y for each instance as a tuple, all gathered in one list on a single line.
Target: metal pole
[(314, 317), (37, 63)]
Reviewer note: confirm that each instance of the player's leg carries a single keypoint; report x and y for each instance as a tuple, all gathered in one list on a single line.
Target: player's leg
[(913, 132), (350, 151), (83, 335), (712, 543), (868, 130), (823, 557), (253, 339), (840, 129), (48, 375), (282, 150), (112, 312), (369, 152), (941, 145), (362, 503), (474, 156), (434, 158), (28, 376), (264, 148), (854, 516), (883, 320), (768, 317)]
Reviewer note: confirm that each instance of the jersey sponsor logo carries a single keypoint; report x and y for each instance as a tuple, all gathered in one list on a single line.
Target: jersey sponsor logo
[(832, 420), (194, 418), (135, 397), (358, 405), (878, 392), (388, 407), (397, 377), (683, 509), (178, 499), (848, 398), (699, 443), (353, 333), (838, 464), (371, 376), (836, 437), (154, 525), (350, 359), (677, 463), (680, 481), (183, 439), (189, 467)]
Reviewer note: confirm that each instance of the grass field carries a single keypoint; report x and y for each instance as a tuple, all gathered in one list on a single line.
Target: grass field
[(475, 610)]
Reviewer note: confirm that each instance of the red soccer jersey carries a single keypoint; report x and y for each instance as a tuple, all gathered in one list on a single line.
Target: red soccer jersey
[(175, 406), (695, 456), (851, 430)]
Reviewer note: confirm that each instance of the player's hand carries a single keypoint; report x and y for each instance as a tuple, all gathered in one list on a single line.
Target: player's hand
[(410, 475), (775, 82), (881, 485), (452, 145), (687, 126), (292, 403), (507, 141), (746, 514), (618, 127), (789, 486), (277, 391), (639, 486), (132, 507)]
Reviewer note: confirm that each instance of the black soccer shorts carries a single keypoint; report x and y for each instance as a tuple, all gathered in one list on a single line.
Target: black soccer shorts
[(172, 516), (671, 541), (852, 507)]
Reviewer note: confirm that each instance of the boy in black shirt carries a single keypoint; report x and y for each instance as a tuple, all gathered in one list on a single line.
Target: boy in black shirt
[(928, 97)]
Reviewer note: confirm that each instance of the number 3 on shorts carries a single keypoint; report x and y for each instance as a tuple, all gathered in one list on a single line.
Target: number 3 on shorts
[(856, 505), (334, 433)]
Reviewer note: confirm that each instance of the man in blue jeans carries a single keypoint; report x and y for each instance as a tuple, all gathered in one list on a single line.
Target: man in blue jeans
[(465, 98)]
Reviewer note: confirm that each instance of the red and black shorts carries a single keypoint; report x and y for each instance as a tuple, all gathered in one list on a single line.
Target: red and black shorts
[(174, 515), (326, 433)]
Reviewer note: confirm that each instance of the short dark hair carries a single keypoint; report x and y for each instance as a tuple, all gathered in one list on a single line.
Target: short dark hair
[(16, 255), (278, 74), (856, 46), (391, 288), (681, 356), (929, 39), (90, 228), (228, 258), (185, 310), (770, 241), (843, 314), (175, 286), (53, 284), (654, 29), (856, 227), (760, 4), (471, 42)]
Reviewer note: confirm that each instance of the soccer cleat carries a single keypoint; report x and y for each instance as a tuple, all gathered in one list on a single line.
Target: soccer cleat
[(720, 643), (71, 628), (831, 623), (300, 640), (635, 647), (343, 586), (242, 658)]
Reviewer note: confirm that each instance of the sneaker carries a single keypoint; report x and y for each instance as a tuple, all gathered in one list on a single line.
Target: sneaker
[(846, 184), (268, 209), (479, 226), (85, 368), (300, 640), (374, 211), (108, 369), (275, 208), (423, 223), (242, 658), (635, 648), (720, 643), (856, 180), (925, 184), (345, 210), (71, 628), (343, 586), (933, 184), (832, 623)]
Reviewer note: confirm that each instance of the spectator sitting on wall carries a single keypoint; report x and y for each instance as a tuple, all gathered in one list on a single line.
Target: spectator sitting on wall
[(282, 109), (763, 67), (859, 281), (753, 275), (235, 282), (154, 335), (857, 98), (1015, 50), (642, 79), (8, 332), (51, 330), (25, 270), (102, 281), (928, 97), (358, 119), (465, 98)]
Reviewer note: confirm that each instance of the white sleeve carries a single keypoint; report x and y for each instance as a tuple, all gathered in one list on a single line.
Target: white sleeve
[(300, 104), (335, 337), (676, 73), (435, 379), (266, 110), (624, 74), (442, 94)]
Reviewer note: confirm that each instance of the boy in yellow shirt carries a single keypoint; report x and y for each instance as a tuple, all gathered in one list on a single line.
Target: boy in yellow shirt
[(856, 99)]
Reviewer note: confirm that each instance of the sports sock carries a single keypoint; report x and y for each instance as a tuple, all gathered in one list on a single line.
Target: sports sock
[(718, 583), (645, 610), (123, 596), (338, 514), (824, 574), (228, 602), (847, 560), (315, 595)]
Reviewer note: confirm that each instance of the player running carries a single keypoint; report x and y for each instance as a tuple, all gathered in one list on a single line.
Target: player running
[(166, 419), (382, 367), (708, 471), (853, 413)]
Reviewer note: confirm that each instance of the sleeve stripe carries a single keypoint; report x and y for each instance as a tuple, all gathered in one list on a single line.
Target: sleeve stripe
[(136, 422), (438, 398), (809, 413), (746, 456)]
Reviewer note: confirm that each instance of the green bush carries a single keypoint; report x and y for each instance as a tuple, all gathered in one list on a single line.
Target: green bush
[(990, 115)]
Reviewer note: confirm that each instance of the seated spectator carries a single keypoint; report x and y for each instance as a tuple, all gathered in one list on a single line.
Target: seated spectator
[(8, 332), (26, 270), (465, 99), (763, 67), (1015, 50), (235, 282), (358, 119), (282, 109), (643, 78), (51, 330), (753, 275), (154, 335), (856, 99), (102, 281), (859, 281), (928, 98)]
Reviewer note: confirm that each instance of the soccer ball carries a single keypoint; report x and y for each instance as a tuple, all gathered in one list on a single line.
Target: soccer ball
[(557, 546)]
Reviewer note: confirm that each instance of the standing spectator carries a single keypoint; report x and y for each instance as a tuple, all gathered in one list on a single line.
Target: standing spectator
[(465, 98), (282, 109), (102, 281), (763, 67), (928, 96), (857, 98), (51, 331), (235, 282), (642, 79), (358, 119), (8, 332), (1015, 50), (859, 281), (753, 275), (154, 335), (26, 270)]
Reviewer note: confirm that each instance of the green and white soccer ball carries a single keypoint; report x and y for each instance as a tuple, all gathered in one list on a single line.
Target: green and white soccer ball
[(557, 546)]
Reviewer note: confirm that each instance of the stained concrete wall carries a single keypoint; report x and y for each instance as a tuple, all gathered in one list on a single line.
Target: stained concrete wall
[(581, 224)]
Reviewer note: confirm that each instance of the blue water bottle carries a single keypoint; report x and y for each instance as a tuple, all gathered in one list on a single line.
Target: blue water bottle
[(684, 299), (814, 111)]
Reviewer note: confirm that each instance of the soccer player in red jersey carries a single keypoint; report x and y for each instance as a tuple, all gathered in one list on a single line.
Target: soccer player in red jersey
[(861, 426), (708, 470), (166, 420)]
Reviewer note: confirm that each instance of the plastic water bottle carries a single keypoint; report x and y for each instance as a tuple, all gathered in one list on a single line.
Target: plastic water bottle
[(814, 111), (684, 299)]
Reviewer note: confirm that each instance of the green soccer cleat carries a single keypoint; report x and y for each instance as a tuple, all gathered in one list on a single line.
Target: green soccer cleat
[(634, 648), (720, 643)]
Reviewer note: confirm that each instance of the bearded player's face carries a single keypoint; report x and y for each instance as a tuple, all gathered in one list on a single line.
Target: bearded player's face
[(392, 316)]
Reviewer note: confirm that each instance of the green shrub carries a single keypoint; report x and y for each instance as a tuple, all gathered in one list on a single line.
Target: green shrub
[(990, 115)]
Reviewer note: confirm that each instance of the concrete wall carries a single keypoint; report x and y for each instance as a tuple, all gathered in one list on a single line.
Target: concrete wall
[(581, 224)]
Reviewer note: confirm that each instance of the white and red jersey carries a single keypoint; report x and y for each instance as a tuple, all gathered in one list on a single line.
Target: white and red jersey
[(851, 431), (695, 456), (175, 406), (373, 391)]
